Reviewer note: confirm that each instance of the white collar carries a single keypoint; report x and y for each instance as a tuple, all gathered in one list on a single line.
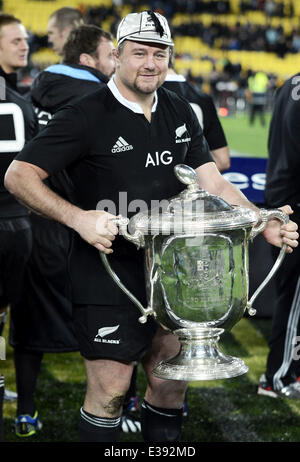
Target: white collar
[(175, 78), (135, 107)]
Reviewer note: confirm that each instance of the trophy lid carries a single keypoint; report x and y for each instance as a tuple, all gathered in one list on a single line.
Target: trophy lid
[(193, 210)]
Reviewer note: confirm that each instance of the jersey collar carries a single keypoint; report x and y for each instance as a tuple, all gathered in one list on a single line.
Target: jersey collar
[(135, 107), (175, 78)]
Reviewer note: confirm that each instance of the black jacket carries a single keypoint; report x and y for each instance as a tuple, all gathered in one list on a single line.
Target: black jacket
[(43, 319), (61, 84), (283, 166), (18, 124)]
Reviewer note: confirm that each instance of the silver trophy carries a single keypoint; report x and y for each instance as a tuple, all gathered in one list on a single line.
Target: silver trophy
[(196, 266)]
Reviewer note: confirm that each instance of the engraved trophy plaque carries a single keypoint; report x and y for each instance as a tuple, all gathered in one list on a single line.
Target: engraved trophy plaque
[(196, 265)]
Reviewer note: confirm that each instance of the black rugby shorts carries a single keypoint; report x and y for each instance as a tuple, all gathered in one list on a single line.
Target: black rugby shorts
[(112, 332), (15, 249)]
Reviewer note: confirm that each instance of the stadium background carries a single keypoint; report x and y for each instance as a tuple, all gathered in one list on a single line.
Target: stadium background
[(218, 45)]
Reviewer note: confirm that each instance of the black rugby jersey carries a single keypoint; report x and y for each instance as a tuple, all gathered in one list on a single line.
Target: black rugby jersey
[(114, 155), (283, 165), (18, 125), (204, 108)]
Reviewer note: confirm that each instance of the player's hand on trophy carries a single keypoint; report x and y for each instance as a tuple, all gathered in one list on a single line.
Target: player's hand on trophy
[(97, 228), (278, 234)]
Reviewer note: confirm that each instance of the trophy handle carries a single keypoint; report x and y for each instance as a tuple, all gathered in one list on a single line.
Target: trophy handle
[(138, 240), (267, 215)]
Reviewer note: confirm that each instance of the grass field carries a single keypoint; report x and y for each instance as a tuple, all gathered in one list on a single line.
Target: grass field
[(219, 411), (250, 141)]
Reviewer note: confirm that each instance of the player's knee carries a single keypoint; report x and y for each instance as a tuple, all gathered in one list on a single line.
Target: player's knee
[(166, 393), (113, 404)]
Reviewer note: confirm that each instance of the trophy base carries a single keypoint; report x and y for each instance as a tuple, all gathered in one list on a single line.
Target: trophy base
[(200, 358)]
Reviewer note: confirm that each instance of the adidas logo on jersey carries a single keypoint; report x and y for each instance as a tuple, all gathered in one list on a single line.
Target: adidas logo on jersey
[(121, 145)]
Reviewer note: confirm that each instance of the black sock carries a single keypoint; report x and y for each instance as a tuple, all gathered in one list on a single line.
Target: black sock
[(2, 322), (27, 364), (160, 424), (98, 429), (1, 408)]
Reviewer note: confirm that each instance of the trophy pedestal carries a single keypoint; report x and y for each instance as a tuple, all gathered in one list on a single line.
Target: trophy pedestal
[(200, 358)]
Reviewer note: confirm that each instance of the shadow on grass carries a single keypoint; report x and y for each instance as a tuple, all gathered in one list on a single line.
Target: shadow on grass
[(263, 326), (231, 346)]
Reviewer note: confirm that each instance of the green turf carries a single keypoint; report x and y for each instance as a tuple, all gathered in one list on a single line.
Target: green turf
[(220, 411), (242, 138)]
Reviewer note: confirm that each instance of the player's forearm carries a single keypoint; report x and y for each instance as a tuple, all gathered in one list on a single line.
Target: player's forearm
[(212, 181), (27, 186), (234, 196), (221, 157)]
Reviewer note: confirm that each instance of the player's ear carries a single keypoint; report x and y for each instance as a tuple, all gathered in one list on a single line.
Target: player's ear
[(116, 55), (85, 59), (171, 58)]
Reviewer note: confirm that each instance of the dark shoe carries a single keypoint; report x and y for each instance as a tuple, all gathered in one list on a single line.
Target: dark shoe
[(291, 391)]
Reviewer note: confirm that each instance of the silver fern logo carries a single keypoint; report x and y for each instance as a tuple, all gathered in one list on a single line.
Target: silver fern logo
[(103, 332), (179, 132)]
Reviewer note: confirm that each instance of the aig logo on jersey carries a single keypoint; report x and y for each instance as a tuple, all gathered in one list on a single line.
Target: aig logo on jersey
[(182, 134), (104, 332), (121, 145), (157, 159)]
